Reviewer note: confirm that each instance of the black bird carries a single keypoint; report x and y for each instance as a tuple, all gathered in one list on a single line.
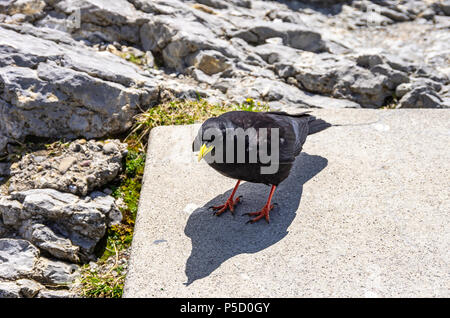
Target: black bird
[(292, 130)]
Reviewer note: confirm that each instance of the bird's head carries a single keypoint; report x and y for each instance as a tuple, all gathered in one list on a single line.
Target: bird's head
[(207, 135)]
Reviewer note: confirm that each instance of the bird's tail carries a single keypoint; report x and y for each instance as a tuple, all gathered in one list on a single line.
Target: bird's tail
[(316, 125)]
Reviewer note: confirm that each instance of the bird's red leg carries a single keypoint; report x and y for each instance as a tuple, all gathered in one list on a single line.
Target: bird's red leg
[(265, 210), (229, 204)]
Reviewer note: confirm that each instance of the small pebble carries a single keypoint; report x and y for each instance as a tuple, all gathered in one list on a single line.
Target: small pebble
[(110, 148), (85, 163)]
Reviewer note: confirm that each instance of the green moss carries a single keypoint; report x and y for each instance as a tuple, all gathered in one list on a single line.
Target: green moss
[(133, 59), (127, 189), (135, 163)]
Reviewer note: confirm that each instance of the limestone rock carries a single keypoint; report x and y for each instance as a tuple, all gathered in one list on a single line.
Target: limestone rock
[(46, 239), (9, 290), (73, 226), (210, 62), (445, 6), (292, 35), (55, 273), (177, 38), (18, 258), (4, 169), (78, 169), (29, 288), (23, 272), (421, 97), (58, 293), (275, 93), (328, 74), (54, 89), (26, 7)]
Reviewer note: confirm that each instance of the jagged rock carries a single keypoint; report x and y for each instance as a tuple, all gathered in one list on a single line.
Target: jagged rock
[(201, 77), (9, 290), (11, 211), (25, 7), (47, 240), (4, 168), (5, 231), (275, 92), (404, 88), (394, 77), (3, 143), (369, 60), (326, 2), (445, 6), (5, 4), (333, 75), (73, 226), (54, 273), (29, 288), (104, 20), (218, 4), (79, 169), (291, 34), (60, 90), (18, 258), (421, 97), (106, 204), (177, 38), (22, 268), (209, 61), (174, 90), (61, 293)]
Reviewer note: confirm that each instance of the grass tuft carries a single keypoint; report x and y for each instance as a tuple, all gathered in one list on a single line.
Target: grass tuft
[(105, 281)]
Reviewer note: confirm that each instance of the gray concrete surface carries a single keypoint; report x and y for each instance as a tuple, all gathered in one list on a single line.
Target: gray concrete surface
[(365, 213)]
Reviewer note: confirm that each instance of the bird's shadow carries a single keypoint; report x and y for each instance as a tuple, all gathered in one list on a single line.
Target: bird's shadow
[(217, 239)]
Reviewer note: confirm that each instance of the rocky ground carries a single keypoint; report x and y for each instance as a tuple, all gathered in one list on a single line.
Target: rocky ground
[(73, 69), (51, 218)]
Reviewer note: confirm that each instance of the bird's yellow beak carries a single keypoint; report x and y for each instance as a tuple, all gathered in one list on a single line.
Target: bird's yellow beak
[(203, 151)]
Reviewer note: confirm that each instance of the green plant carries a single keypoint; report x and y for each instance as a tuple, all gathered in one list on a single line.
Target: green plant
[(102, 285), (135, 163)]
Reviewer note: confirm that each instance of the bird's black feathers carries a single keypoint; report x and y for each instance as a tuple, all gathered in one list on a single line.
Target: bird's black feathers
[(293, 130)]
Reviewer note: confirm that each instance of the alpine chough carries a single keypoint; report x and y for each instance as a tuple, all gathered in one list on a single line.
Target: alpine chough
[(257, 147)]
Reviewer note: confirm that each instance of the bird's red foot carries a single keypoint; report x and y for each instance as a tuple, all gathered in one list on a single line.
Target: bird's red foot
[(264, 213), (229, 205)]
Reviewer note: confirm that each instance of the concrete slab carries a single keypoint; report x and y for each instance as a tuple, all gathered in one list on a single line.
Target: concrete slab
[(365, 213)]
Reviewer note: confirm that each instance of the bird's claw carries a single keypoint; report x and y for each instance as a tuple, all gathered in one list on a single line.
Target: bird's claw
[(264, 213), (229, 205)]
